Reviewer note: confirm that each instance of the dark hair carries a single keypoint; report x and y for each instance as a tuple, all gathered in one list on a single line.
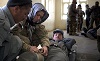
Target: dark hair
[(87, 5), (12, 3)]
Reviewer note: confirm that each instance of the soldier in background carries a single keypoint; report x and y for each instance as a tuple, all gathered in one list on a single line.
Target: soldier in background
[(87, 12), (33, 34), (95, 13), (80, 15), (72, 18)]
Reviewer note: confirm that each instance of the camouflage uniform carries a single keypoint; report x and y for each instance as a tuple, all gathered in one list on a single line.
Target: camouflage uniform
[(80, 14), (72, 18), (37, 35), (33, 34)]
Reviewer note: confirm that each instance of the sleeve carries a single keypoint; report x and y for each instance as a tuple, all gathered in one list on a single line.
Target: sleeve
[(4, 30), (43, 34), (25, 41)]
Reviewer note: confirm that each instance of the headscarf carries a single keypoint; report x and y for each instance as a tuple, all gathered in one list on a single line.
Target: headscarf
[(35, 8)]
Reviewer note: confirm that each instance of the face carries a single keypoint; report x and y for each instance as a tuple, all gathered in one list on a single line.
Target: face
[(38, 16), (97, 4), (57, 36), (87, 6), (21, 13)]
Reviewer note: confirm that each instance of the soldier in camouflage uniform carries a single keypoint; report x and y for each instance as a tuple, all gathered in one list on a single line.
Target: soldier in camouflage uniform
[(95, 13), (34, 33), (80, 14), (72, 18)]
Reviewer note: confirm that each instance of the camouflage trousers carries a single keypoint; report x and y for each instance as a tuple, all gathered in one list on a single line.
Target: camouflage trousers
[(72, 25)]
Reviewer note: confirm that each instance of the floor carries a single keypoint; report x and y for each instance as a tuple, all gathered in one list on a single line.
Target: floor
[(86, 48)]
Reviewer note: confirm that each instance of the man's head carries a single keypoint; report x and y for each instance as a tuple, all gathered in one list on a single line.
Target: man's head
[(79, 6), (58, 34), (96, 3), (19, 9), (87, 6), (74, 2)]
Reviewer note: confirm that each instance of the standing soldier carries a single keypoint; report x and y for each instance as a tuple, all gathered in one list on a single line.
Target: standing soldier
[(80, 18), (72, 18), (95, 13), (87, 12)]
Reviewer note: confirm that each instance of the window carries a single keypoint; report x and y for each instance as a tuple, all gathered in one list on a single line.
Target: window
[(66, 3), (49, 5)]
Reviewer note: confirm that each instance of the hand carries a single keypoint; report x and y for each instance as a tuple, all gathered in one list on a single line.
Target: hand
[(45, 50), (34, 49)]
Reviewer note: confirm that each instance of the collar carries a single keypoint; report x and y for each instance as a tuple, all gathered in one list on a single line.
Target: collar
[(9, 15)]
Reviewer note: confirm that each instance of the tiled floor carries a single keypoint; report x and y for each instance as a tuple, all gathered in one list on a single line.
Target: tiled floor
[(86, 48)]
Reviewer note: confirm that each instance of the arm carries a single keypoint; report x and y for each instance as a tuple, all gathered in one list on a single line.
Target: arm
[(4, 30), (43, 37)]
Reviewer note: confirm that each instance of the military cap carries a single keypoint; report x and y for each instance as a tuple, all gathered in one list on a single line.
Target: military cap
[(58, 31), (18, 2)]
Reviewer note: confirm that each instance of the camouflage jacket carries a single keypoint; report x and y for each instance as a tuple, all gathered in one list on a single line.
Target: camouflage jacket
[(32, 35), (72, 10)]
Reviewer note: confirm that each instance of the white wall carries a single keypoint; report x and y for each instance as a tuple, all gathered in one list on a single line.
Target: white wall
[(50, 22), (92, 2), (59, 23), (3, 2)]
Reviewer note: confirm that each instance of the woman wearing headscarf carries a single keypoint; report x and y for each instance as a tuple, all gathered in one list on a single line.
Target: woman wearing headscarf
[(34, 35)]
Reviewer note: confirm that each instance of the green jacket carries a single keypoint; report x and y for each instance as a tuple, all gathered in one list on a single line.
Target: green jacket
[(32, 35)]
